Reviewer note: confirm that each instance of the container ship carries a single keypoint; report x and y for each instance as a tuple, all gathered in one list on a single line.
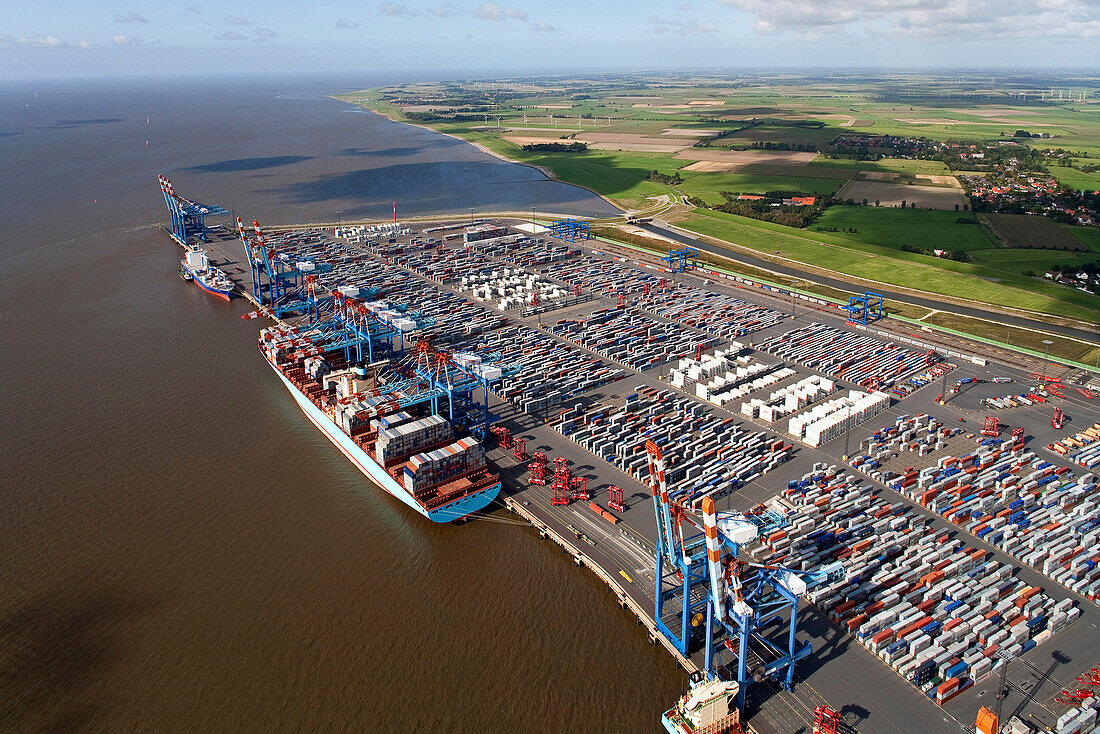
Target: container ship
[(197, 265), (418, 460)]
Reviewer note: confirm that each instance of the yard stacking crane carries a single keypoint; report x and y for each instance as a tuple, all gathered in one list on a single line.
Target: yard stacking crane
[(705, 576), (867, 306), (570, 230), (678, 260), (188, 217), (991, 426)]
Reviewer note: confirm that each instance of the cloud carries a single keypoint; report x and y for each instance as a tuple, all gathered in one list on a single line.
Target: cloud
[(86, 44), (685, 7), (446, 10), (541, 26), (346, 24), (927, 20), (231, 36), (121, 40), (236, 20), (397, 10), (680, 26), (492, 11), (31, 42), (131, 17), (192, 10), (262, 34)]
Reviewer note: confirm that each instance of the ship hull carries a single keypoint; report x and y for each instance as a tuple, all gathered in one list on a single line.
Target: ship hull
[(224, 295), (449, 512)]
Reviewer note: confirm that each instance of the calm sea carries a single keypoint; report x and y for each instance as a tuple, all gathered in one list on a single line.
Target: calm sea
[(181, 550)]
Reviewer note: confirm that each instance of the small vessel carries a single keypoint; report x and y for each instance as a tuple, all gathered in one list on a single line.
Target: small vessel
[(205, 275), (709, 707)]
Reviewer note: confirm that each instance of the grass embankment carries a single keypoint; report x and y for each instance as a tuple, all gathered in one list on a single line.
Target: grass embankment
[(1029, 339), (902, 269), (1033, 340)]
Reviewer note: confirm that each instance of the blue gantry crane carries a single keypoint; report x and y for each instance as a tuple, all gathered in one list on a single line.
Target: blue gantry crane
[(570, 230), (679, 259), (188, 217), (277, 283), (864, 307), (707, 590), (459, 376)]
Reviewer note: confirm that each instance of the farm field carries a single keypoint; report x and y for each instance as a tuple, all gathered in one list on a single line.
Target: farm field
[(707, 135), (928, 229), (898, 195), (1089, 235), (1076, 179), (1030, 232)]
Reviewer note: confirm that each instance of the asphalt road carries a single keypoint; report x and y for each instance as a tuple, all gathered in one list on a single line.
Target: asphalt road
[(756, 262)]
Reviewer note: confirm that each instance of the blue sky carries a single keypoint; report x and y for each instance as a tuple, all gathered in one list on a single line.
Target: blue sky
[(59, 38)]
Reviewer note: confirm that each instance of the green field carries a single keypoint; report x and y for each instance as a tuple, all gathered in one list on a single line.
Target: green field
[(1076, 179), (974, 281), (891, 227), (633, 113), (1089, 235), (1023, 261)]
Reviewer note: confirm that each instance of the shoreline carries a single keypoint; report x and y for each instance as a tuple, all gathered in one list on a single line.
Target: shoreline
[(499, 156)]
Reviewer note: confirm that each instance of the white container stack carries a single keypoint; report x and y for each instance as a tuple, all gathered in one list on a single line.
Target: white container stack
[(403, 439), (511, 288), (830, 419), (725, 375), (788, 399)]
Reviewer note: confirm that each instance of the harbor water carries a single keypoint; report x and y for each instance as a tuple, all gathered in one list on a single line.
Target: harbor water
[(182, 550)]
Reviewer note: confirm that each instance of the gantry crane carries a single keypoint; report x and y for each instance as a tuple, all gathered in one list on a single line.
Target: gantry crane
[(275, 282), (188, 217), (739, 598), (458, 377)]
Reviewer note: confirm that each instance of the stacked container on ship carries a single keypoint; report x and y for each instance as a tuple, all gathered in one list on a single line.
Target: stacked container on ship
[(417, 460)]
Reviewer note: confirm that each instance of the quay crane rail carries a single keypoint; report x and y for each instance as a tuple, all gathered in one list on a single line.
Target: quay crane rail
[(738, 598)]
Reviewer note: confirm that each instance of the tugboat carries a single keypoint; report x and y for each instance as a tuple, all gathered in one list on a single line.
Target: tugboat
[(206, 276)]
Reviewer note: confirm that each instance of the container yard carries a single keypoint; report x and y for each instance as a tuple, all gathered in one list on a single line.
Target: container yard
[(929, 606), (682, 436)]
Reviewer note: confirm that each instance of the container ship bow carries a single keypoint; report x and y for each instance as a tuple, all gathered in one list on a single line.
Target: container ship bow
[(420, 461)]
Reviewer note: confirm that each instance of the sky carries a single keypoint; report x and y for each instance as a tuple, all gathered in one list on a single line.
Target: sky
[(70, 38)]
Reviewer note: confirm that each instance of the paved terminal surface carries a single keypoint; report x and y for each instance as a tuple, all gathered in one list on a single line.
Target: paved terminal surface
[(840, 671)]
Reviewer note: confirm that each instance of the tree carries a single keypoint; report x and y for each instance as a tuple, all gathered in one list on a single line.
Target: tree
[(876, 202), (903, 203), (956, 207)]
